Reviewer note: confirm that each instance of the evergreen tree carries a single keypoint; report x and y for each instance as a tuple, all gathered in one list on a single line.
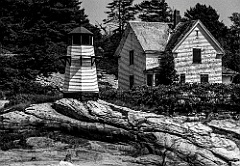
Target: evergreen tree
[(235, 33), (38, 29), (154, 11), (120, 12), (232, 56), (210, 18), (167, 73)]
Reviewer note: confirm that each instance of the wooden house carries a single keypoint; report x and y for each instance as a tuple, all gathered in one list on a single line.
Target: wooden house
[(139, 51), (80, 69), (197, 54)]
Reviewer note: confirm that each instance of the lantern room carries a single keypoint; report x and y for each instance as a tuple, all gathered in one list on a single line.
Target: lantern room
[(80, 36)]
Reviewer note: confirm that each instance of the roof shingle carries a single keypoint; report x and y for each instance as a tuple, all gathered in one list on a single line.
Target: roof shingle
[(80, 30), (151, 35)]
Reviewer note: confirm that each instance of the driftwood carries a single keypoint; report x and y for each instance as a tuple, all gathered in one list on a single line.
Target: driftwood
[(175, 141)]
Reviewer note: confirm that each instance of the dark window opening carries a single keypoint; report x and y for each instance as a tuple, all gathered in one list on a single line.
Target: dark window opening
[(131, 81), (131, 57), (196, 55), (149, 79), (204, 78), (76, 39), (157, 79), (197, 34), (80, 39), (86, 40), (182, 78)]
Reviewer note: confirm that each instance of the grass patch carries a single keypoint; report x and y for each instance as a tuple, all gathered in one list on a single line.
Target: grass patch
[(21, 101)]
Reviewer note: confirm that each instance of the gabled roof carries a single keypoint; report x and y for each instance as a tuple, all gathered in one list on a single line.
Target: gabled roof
[(182, 31), (152, 36), (80, 30), (178, 33)]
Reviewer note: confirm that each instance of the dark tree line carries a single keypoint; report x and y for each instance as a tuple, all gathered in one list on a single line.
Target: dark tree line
[(36, 32), (37, 29)]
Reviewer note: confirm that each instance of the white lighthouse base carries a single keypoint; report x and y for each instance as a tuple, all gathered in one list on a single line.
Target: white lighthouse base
[(80, 73)]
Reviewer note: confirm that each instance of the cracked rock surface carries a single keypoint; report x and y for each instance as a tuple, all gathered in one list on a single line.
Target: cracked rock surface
[(145, 138)]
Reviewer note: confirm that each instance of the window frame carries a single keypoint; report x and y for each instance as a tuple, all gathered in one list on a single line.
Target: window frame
[(197, 55), (182, 78), (88, 39), (131, 81), (131, 57), (204, 76), (150, 77), (79, 39)]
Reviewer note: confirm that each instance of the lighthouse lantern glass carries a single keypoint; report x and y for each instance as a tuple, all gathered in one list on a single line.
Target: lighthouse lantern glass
[(86, 39), (76, 39)]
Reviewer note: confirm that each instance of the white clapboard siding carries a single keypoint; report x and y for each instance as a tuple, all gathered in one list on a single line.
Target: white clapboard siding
[(80, 76), (125, 69), (209, 63)]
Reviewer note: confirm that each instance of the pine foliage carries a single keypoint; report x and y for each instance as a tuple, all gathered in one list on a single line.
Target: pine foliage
[(154, 11), (119, 13)]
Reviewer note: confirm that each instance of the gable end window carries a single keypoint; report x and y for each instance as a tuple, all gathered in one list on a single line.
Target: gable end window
[(197, 55), (182, 78), (131, 81), (204, 78), (131, 57)]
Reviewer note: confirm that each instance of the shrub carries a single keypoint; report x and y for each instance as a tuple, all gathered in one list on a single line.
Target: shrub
[(179, 98), (26, 99)]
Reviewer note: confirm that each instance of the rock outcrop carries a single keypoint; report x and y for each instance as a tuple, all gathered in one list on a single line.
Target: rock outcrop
[(149, 138)]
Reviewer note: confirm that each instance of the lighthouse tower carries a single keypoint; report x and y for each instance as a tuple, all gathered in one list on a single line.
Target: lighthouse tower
[(80, 68)]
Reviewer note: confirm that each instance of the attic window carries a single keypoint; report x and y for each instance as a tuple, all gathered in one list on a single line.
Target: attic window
[(197, 33)]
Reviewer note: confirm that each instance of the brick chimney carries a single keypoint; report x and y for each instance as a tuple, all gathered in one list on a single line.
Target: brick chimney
[(176, 18)]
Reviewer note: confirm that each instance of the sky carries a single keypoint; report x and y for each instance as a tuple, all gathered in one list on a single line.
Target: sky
[(95, 8)]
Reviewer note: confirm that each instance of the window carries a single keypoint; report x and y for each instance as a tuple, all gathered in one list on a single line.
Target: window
[(196, 34), (157, 79), (182, 78), (149, 79), (131, 57), (76, 39), (131, 81), (196, 55), (86, 39), (204, 78), (80, 39)]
